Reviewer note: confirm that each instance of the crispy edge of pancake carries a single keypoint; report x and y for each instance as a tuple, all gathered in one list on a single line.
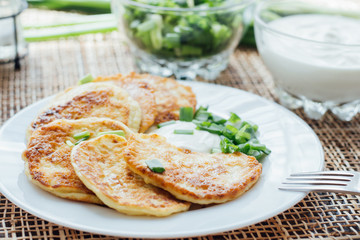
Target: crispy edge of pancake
[(140, 92), (137, 166), (65, 98), (67, 192), (126, 206), (170, 95)]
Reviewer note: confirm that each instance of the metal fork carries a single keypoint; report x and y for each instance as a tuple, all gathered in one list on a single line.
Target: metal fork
[(325, 181)]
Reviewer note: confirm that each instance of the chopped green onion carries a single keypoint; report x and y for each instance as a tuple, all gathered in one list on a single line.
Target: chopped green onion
[(156, 33), (81, 140), (202, 115), (146, 26), (217, 119), (81, 135), (267, 151), (188, 50), (213, 128), (88, 78), (190, 3), (155, 166), (260, 156), (251, 131), (216, 150), (120, 133), (234, 118), (166, 123), (201, 108), (69, 143), (255, 127), (245, 123), (255, 153), (227, 146), (257, 146), (197, 122), (204, 124), (186, 114), (242, 136), (230, 131), (244, 148), (236, 135), (184, 131), (172, 40)]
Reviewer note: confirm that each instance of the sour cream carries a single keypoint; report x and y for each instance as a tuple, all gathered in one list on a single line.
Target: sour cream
[(200, 141), (325, 68)]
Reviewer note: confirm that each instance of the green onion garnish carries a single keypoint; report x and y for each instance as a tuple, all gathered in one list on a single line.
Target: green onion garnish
[(236, 135), (201, 109), (255, 127), (81, 140), (218, 120), (69, 143), (81, 135), (88, 78), (216, 150), (258, 146), (267, 151), (184, 131), (202, 115), (230, 131), (257, 154), (155, 166), (227, 146), (120, 133), (244, 148), (234, 118), (186, 114), (166, 123), (211, 127)]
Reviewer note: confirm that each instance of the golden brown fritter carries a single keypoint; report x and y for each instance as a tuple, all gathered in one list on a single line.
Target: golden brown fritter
[(100, 165), (91, 100), (47, 156), (170, 95), (140, 92), (194, 177)]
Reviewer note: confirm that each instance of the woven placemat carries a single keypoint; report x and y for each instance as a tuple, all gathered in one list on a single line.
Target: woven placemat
[(52, 66)]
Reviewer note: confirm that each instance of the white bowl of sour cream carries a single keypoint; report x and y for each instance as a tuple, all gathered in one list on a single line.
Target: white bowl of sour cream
[(312, 49)]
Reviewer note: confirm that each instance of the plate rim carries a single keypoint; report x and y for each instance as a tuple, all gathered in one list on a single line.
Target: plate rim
[(152, 235)]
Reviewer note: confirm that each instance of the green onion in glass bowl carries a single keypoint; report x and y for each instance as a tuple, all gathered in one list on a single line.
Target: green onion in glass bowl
[(183, 37)]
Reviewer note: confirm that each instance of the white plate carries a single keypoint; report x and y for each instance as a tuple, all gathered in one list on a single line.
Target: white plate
[(295, 148)]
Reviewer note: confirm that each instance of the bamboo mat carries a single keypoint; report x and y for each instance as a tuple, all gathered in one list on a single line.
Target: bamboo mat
[(52, 66)]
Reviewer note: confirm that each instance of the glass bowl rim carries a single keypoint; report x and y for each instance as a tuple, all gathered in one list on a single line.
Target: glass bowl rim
[(257, 20), (193, 9), (22, 6)]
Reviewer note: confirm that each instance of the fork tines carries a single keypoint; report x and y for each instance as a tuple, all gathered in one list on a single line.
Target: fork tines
[(324, 173), (338, 181)]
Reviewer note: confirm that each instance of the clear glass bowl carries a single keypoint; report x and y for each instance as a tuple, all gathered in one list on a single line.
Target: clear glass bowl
[(316, 61), (185, 42), (13, 47)]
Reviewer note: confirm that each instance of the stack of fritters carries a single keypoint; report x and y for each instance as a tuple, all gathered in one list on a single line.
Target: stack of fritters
[(110, 169), (100, 164), (169, 95), (47, 157)]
